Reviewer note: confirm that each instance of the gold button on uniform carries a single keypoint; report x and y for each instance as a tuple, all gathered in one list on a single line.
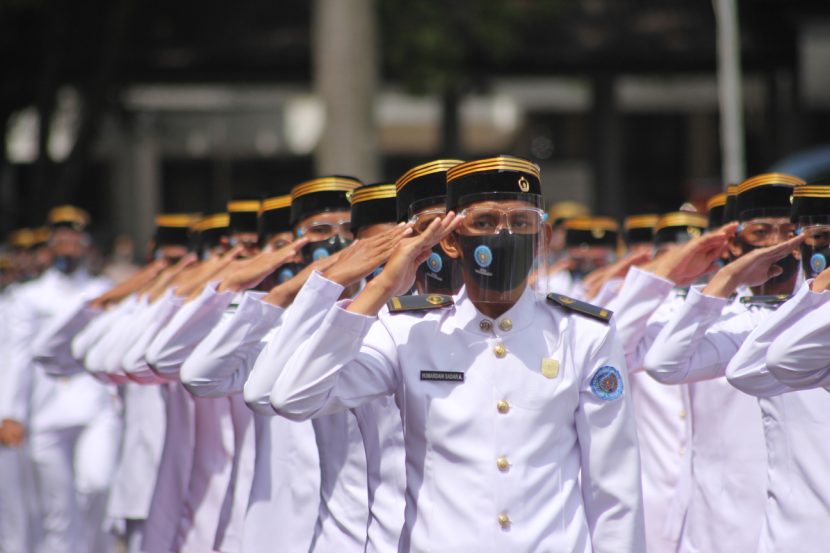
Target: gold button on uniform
[(505, 324), (500, 350), (682, 450), (502, 463), (503, 406), (504, 521), (682, 414), (485, 326)]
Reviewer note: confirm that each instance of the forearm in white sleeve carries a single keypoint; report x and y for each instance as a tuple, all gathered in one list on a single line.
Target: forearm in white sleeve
[(304, 317), (189, 326), (95, 360), (641, 295), (607, 293), (221, 363), (134, 326), (99, 326), (800, 357), (687, 349), (349, 361), (134, 361), (748, 369), (52, 349)]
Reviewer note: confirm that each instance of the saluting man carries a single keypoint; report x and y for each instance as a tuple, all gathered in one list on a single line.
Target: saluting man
[(506, 396)]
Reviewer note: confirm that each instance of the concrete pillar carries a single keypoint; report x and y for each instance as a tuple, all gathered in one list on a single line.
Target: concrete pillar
[(139, 194), (730, 92), (345, 61), (607, 149)]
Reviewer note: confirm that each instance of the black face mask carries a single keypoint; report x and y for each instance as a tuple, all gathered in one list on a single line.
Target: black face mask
[(497, 262), (67, 264), (315, 251), (814, 260), (438, 272)]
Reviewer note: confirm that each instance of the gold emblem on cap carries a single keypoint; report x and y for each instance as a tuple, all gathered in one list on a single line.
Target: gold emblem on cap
[(567, 300), (524, 185), (435, 300), (597, 233), (693, 231)]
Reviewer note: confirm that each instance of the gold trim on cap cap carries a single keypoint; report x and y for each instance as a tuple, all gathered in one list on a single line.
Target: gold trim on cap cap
[(716, 201), (176, 220), (812, 191), (68, 214), (732, 190), (277, 202), (41, 235), (21, 238), (244, 206), (500, 163), (437, 166), (373, 193), (220, 220), (592, 223), (641, 221), (682, 219), (325, 184), (769, 178)]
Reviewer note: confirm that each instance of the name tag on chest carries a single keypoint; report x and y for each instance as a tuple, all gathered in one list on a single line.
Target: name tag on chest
[(442, 376)]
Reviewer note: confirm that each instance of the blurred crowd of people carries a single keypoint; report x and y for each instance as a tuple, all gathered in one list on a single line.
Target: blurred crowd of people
[(435, 364)]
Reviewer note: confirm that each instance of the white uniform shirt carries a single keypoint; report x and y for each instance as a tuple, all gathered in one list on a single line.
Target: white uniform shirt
[(726, 507), (95, 331), (548, 429), (343, 515), (27, 393), (643, 306), (797, 433)]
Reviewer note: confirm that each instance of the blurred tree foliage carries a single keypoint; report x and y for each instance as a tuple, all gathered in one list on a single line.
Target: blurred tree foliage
[(446, 47)]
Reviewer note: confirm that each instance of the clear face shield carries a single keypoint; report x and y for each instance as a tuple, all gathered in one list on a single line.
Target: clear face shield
[(440, 274), (502, 245), (814, 251), (761, 228)]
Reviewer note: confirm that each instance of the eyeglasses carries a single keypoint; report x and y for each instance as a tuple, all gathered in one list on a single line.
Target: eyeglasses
[(816, 235), (321, 230), (763, 233), (420, 221), (484, 220)]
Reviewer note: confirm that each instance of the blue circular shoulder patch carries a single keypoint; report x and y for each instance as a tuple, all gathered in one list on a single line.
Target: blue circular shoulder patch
[(818, 263), (434, 263), (320, 253), (607, 383), (483, 256), (285, 275)]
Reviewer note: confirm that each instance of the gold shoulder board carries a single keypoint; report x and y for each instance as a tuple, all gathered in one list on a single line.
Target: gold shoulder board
[(400, 304), (581, 307)]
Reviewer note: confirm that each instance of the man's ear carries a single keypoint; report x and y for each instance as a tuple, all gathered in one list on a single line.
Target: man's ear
[(734, 245), (797, 253), (450, 246)]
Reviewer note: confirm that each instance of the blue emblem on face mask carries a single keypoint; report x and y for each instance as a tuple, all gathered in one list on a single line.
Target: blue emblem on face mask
[(607, 383), (818, 263), (285, 275), (320, 253), (434, 263), (483, 256)]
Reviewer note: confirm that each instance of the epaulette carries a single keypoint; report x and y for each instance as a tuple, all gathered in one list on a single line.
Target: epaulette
[(400, 304), (765, 300), (581, 307)]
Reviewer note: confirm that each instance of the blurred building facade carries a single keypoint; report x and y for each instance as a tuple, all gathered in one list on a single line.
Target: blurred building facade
[(616, 100)]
